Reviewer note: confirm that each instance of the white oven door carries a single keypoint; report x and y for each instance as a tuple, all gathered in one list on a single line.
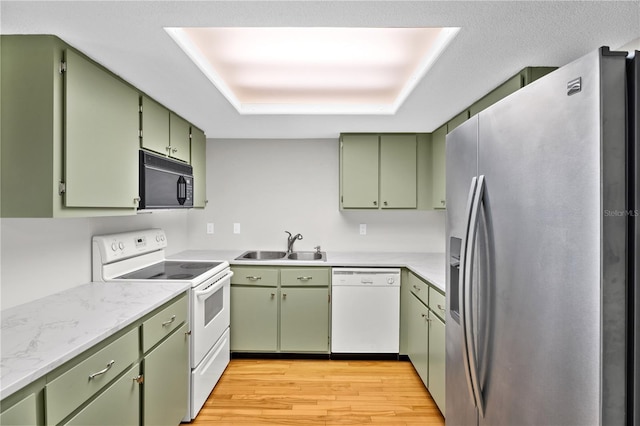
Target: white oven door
[(211, 314)]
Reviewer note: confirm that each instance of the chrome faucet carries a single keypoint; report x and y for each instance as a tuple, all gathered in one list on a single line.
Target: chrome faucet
[(292, 239)]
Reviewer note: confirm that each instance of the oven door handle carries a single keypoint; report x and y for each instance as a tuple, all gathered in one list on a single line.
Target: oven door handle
[(215, 286)]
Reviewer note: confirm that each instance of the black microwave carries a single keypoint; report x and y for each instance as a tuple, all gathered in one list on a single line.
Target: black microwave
[(164, 183)]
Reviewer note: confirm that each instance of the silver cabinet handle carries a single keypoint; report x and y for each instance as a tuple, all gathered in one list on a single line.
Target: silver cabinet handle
[(416, 287), (253, 278), (305, 278), (442, 308), (172, 319), (174, 150), (386, 204), (139, 379), (273, 295), (101, 372), (284, 295), (375, 203)]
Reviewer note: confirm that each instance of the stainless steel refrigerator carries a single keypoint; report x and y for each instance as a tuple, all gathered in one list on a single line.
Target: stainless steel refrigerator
[(542, 244)]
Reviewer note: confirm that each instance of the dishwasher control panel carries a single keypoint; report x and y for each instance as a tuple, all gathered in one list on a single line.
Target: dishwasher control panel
[(365, 277)]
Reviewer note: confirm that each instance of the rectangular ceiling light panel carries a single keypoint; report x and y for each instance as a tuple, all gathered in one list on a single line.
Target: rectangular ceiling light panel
[(314, 70)]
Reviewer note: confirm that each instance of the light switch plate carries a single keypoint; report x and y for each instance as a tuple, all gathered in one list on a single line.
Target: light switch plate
[(363, 229), (236, 228), (209, 228)]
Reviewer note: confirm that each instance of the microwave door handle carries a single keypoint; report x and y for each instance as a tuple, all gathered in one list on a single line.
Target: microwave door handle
[(182, 190)]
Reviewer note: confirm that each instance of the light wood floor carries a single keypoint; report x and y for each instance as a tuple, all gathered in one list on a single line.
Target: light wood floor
[(319, 392)]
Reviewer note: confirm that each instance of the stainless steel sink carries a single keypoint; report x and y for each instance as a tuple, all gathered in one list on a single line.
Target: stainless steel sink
[(262, 255), (277, 255), (307, 255)]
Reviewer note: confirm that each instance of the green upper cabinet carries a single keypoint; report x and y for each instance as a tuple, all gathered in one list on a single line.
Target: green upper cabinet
[(526, 76), (359, 171), (199, 164), (154, 126), (438, 161), (398, 170), (67, 146), (179, 138), (101, 137), (163, 131), (378, 171)]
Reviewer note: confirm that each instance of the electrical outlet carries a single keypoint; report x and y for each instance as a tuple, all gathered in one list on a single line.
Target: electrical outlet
[(209, 228), (363, 229), (236, 228)]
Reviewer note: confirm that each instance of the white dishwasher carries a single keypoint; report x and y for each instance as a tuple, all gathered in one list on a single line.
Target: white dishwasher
[(365, 313)]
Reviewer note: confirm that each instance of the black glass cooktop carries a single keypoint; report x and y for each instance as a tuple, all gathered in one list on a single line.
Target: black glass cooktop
[(171, 270)]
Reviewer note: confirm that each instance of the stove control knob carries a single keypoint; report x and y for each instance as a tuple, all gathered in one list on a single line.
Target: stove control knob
[(390, 280), (114, 246), (121, 245), (158, 238)]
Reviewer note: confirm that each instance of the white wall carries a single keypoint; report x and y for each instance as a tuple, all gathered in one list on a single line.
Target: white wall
[(45, 256), (269, 186)]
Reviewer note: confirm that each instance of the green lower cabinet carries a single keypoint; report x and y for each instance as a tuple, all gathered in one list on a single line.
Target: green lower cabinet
[(304, 319), (23, 413), (418, 337), (166, 381), (118, 405), (437, 356), (254, 319)]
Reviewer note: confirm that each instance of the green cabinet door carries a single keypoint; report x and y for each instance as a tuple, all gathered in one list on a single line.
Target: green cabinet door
[(304, 319), (398, 165), (359, 171), (418, 338), (438, 164), (179, 138), (254, 319), (118, 405), (199, 164), (166, 381), (101, 137), (23, 413), (154, 124), (437, 356)]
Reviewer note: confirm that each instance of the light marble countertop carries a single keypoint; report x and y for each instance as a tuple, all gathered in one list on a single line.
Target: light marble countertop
[(41, 335), (428, 266)]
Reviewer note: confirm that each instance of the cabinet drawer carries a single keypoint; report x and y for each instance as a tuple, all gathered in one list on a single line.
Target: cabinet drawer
[(163, 323), (304, 277), (118, 405), (419, 288), (67, 392), (265, 277), (437, 302)]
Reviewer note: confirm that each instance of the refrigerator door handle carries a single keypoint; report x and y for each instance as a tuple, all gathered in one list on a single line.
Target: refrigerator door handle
[(463, 289), (472, 354)]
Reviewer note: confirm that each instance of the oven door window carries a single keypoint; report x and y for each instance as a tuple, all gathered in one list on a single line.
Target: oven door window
[(213, 305)]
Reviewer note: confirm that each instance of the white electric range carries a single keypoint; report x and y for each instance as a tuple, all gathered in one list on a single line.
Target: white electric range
[(140, 256)]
